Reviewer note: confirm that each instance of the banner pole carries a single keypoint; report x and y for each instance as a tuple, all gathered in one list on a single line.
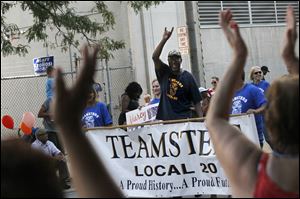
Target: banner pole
[(200, 119)]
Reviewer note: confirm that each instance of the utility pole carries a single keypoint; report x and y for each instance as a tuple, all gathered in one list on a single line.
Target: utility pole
[(108, 85), (195, 44)]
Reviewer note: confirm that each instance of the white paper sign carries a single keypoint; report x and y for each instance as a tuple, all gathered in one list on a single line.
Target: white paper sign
[(183, 41)]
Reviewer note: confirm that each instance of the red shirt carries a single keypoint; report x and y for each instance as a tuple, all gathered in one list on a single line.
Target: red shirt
[(265, 187)]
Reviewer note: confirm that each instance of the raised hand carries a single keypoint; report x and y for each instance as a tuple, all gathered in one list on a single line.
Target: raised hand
[(288, 52), (232, 32), (69, 103), (167, 34), (68, 107)]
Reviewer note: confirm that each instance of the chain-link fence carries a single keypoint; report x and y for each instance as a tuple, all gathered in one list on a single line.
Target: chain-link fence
[(23, 94), (113, 80), (27, 94)]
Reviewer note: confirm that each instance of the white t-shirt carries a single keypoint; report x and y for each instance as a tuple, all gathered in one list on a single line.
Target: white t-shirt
[(49, 148)]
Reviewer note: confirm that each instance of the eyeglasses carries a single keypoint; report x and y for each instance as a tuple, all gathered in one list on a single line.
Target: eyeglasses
[(258, 72)]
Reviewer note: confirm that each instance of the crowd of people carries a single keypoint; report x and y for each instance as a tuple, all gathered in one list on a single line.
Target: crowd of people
[(251, 171)]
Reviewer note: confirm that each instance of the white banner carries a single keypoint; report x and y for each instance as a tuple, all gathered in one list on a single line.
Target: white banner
[(166, 160)]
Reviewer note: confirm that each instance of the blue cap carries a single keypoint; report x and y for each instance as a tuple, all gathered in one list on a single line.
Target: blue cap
[(97, 87)]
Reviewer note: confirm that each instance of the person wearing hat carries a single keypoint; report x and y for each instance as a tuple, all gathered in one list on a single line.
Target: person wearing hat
[(179, 91), (98, 88), (47, 147), (264, 70)]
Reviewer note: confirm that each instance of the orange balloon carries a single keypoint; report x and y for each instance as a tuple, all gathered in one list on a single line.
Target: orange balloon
[(28, 119), (26, 130)]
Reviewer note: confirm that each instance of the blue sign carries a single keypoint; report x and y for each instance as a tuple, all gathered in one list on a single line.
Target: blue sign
[(41, 64)]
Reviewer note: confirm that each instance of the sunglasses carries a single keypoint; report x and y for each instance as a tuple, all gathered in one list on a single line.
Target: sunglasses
[(258, 72), (213, 82)]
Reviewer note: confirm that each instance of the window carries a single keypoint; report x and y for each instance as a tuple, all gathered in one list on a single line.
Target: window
[(281, 10), (246, 12), (240, 9), (209, 12), (263, 12)]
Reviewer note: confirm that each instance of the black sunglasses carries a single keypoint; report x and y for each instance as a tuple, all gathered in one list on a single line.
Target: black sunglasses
[(258, 72)]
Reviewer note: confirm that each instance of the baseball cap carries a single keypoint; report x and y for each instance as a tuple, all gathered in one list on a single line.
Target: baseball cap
[(40, 131), (97, 87), (265, 68), (174, 53), (202, 89)]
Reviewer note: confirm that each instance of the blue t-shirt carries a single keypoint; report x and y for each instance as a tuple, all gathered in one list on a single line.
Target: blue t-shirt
[(250, 97), (96, 116), (262, 85), (178, 92), (49, 87), (155, 101)]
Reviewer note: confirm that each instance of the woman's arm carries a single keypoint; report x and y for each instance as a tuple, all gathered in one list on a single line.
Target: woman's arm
[(288, 52), (257, 111), (125, 103), (237, 155), (43, 113)]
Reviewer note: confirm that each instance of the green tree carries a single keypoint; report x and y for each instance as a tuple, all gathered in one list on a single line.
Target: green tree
[(60, 17)]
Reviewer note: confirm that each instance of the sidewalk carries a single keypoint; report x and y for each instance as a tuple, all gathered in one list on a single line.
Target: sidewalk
[(70, 193)]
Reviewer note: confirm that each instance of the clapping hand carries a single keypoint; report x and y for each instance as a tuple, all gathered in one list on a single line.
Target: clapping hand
[(288, 52), (232, 33)]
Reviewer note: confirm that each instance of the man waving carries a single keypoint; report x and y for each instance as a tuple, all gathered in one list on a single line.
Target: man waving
[(178, 87)]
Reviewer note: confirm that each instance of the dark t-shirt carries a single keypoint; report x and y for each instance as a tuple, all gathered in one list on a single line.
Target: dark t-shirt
[(178, 92), (133, 104)]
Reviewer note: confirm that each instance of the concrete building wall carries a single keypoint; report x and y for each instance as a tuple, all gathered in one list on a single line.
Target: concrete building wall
[(264, 48), (264, 43)]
